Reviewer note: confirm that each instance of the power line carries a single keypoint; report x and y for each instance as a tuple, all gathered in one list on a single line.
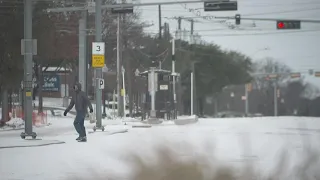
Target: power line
[(283, 11)]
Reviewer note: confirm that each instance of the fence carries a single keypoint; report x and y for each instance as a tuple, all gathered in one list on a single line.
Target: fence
[(38, 119)]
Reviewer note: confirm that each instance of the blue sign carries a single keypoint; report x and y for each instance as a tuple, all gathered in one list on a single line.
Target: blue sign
[(51, 83)]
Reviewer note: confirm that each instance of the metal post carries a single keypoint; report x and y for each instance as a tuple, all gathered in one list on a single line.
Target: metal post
[(28, 62), (174, 76), (118, 68), (275, 93), (152, 93), (160, 23), (82, 51), (191, 97), (194, 88), (113, 102), (124, 91), (275, 99), (98, 38), (246, 100)]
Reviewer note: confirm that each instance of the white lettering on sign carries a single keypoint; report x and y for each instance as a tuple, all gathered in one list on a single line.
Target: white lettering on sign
[(163, 87), (98, 48)]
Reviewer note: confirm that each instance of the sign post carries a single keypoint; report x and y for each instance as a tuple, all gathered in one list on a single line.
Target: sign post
[(28, 50), (98, 62)]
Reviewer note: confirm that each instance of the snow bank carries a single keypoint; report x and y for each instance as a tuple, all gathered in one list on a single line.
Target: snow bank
[(15, 123), (184, 120)]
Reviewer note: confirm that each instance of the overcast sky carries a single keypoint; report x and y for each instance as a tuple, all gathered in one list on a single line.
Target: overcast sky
[(299, 50)]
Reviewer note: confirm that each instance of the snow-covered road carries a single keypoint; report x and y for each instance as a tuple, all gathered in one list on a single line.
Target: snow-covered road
[(235, 141)]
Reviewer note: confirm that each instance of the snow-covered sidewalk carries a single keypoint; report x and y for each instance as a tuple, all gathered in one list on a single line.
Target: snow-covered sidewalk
[(231, 141)]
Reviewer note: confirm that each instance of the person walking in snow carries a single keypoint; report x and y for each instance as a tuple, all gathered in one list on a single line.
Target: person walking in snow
[(81, 102)]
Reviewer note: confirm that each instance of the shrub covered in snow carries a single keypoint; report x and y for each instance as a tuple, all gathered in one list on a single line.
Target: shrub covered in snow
[(15, 123)]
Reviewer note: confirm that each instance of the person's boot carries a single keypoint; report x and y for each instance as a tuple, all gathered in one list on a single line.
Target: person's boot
[(78, 138), (83, 139)]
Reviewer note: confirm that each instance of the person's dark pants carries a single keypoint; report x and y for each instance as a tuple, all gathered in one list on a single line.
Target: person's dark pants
[(79, 124)]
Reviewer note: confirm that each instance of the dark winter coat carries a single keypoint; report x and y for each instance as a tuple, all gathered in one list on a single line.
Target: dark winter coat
[(79, 100)]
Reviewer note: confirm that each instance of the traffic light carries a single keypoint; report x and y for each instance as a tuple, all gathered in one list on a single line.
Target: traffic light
[(238, 19), (273, 76), (295, 75), (311, 72), (288, 24)]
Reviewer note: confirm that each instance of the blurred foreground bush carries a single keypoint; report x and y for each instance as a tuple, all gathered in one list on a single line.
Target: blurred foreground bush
[(171, 165)]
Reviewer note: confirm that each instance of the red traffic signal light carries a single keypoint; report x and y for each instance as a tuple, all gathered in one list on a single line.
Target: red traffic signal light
[(280, 25), (288, 24)]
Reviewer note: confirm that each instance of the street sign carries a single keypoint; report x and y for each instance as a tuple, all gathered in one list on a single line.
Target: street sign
[(101, 83), (122, 92), (220, 6), (91, 6), (98, 48), (273, 76), (163, 87), (122, 10), (249, 87), (98, 61)]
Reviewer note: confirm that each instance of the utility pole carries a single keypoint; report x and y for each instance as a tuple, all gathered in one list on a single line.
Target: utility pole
[(192, 71), (83, 51), (124, 90), (275, 89), (194, 88), (174, 76), (191, 95), (246, 100), (98, 38), (160, 22), (28, 52), (118, 70)]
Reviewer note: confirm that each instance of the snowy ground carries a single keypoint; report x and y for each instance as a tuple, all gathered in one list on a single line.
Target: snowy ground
[(235, 141)]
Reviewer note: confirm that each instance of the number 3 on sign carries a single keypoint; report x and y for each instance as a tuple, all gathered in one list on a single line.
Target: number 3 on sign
[(98, 48)]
